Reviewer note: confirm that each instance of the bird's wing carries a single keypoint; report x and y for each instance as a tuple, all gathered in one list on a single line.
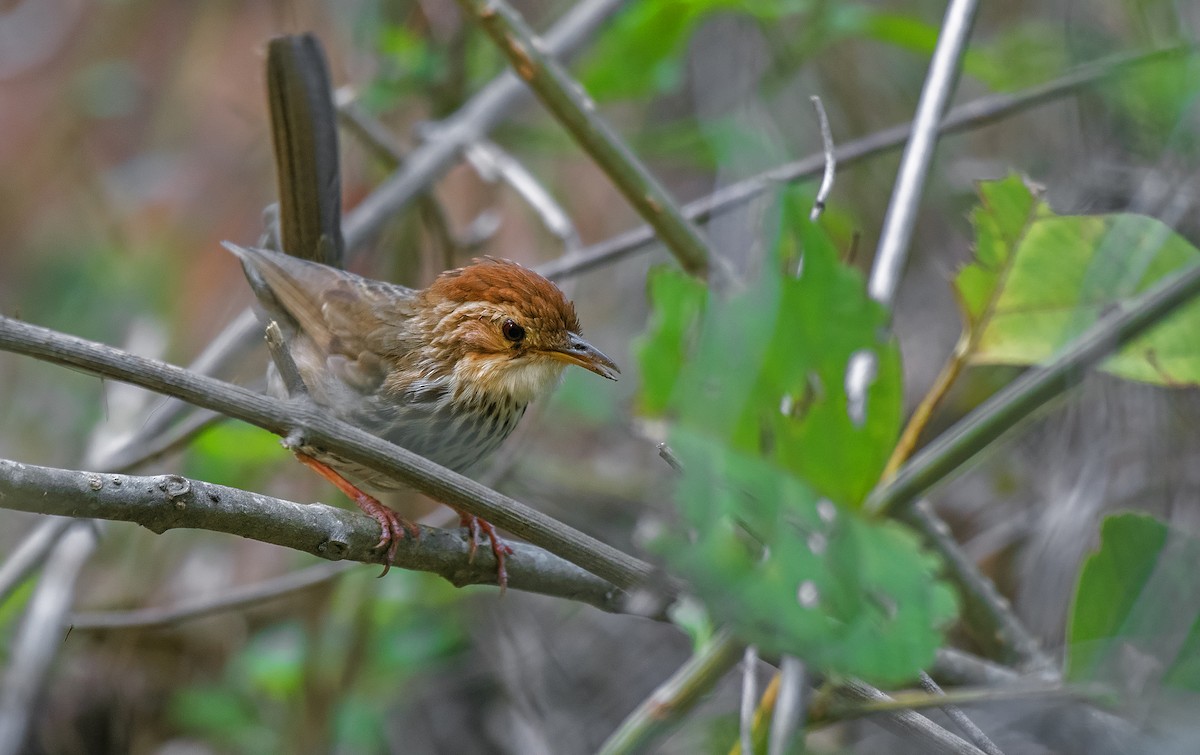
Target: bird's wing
[(349, 320)]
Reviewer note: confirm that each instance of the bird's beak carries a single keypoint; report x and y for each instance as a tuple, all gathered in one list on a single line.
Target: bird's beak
[(579, 352)]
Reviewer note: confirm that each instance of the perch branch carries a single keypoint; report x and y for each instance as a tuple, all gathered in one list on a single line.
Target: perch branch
[(355, 444), (165, 502)]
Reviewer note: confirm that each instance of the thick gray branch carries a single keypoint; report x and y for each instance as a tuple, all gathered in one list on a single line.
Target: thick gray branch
[(167, 502)]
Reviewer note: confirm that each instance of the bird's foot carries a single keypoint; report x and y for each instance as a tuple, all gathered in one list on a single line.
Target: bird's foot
[(500, 549), (393, 526)]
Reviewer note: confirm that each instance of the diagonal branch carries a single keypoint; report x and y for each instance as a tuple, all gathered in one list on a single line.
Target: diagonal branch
[(567, 101), (169, 502), (1020, 398), (283, 418)]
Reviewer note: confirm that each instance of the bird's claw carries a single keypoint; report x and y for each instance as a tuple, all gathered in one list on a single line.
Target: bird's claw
[(394, 528), (500, 549)]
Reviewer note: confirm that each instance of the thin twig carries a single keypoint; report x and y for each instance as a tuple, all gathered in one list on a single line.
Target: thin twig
[(907, 723), (953, 367), (168, 502), (749, 699), (901, 218), (228, 348), (128, 458), (281, 355), (960, 668), (762, 719), (352, 443), (975, 114), (965, 725), (233, 599), (915, 701), (667, 455), (830, 161), (567, 101), (492, 163), (661, 712), (987, 614), (791, 707)]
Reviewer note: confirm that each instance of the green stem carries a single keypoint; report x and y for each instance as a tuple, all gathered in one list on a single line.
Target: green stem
[(659, 713)]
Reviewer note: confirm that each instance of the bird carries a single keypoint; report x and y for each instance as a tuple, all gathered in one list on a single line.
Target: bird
[(446, 371)]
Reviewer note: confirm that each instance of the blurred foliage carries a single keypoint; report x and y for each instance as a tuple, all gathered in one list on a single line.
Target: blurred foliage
[(776, 458), (376, 637), (232, 450), (409, 64), (1041, 279), (649, 39), (1135, 618), (1153, 106)]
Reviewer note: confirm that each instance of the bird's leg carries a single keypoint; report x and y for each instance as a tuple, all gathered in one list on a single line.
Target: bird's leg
[(500, 549), (393, 524)]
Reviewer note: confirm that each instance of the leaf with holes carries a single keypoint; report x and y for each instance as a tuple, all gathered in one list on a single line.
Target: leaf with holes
[(794, 573), (766, 368), (778, 452), (1041, 279), (1135, 619)]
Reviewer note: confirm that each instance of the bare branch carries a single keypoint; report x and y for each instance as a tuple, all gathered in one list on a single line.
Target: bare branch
[(281, 355), (233, 599), (567, 101), (166, 502), (901, 216), (493, 163), (791, 706), (909, 723), (964, 724), (29, 554), (749, 699), (830, 161)]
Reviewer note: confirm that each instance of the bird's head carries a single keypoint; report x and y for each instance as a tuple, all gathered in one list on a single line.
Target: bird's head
[(507, 330)]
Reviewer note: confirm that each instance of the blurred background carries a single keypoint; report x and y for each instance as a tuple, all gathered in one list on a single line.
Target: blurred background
[(134, 138)]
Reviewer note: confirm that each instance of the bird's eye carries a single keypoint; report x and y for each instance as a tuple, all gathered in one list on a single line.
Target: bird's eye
[(512, 331)]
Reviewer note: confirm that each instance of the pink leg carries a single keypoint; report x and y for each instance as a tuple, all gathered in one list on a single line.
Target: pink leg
[(391, 523)]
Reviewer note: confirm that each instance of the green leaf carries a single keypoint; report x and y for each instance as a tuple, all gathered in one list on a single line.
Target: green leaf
[(641, 52), (1041, 279), (793, 573), (1137, 608), (776, 459), (765, 369), (678, 302)]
